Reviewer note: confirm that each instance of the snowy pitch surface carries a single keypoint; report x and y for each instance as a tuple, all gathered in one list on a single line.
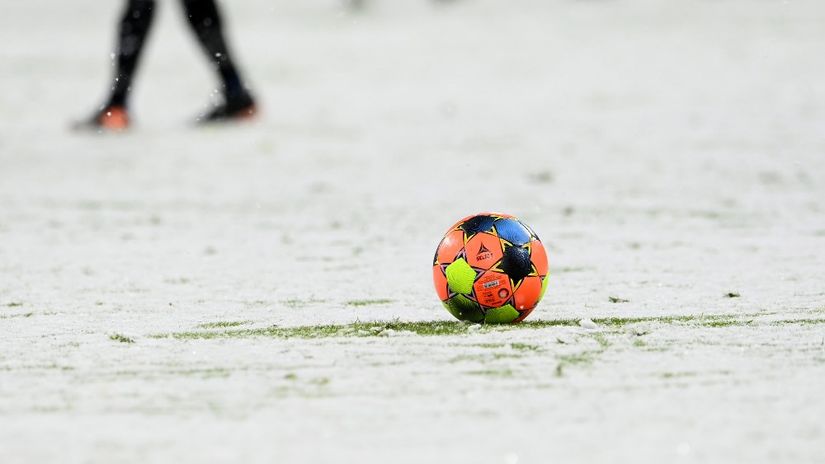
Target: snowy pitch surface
[(668, 153)]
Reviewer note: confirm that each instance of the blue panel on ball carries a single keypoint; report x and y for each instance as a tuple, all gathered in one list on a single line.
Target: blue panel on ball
[(512, 231)]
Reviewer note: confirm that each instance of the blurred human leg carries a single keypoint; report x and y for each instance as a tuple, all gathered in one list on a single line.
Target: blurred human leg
[(205, 19), (133, 29)]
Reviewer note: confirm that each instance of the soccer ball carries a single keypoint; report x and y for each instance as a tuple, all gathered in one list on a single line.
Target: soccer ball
[(490, 268)]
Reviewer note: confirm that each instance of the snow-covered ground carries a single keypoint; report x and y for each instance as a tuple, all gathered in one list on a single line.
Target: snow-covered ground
[(668, 154)]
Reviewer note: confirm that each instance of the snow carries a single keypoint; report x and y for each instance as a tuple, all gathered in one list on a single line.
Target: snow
[(668, 153), (588, 324)]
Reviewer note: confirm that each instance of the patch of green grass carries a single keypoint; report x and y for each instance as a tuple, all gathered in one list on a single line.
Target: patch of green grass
[(639, 343), (671, 375), (358, 329), (724, 322), (687, 374), (487, 345), (296, 303), (582, 358), (485, 356), (447, 328), (467, 357), (702, 319), (121, 338), (492, 372), (601, 340), (222, 324), (320, 381), (505, 355), (11, 316), (801, 321), (14, 304), (543, 324), (732, 295), (364, 329), (27, 367), (177, 371), (615, 299), (379, 301), (205, 373), (524, 347)]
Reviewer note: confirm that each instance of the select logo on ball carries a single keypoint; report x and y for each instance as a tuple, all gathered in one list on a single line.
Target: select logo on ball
[(483, 253)]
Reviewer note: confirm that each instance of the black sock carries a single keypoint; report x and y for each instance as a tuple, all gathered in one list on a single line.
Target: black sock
[(205, 19), (134, 27)]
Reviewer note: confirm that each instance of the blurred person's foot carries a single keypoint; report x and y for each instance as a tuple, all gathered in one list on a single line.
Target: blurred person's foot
[(111, 118), (234, 108)]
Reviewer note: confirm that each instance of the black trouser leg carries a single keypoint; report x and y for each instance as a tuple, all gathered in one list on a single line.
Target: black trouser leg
[(205, 19), (134, 27)]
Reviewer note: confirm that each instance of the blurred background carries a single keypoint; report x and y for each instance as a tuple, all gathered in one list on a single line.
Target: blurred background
[(539, 66)]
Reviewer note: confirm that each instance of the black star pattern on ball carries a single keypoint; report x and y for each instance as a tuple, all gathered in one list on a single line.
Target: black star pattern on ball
[(477, 224), (516, 262)]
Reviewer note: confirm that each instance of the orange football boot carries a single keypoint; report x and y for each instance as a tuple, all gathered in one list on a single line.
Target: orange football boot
[(114, 118), (108, 119)]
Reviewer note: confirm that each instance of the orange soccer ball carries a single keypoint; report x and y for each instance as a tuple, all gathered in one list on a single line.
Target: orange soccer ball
[(490, 268)]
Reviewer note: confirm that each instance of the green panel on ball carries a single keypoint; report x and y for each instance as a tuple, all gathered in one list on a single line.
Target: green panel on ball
[(544, 286), (501, 315), (464, 309), (460, 277)]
